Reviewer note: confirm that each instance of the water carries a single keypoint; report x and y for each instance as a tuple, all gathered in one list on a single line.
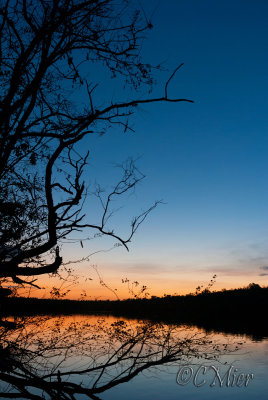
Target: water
[(163, 385), (114, 358)]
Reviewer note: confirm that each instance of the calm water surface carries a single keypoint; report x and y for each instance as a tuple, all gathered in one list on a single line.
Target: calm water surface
[(92, 342)]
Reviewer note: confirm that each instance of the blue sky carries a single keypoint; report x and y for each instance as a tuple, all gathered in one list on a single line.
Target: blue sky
[(207, 160)]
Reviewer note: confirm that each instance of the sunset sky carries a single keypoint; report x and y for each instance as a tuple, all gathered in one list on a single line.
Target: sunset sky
[(207, 161)]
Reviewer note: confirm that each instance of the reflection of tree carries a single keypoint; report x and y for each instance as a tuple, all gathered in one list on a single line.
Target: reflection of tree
[(63, 361)]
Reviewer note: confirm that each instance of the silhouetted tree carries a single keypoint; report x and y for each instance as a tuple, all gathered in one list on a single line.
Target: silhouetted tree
[(46, 49)]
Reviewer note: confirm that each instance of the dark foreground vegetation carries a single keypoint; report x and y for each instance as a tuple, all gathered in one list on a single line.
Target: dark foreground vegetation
[(236, 311)]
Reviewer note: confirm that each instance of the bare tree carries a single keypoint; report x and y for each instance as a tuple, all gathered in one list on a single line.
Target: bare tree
[(46, 50)]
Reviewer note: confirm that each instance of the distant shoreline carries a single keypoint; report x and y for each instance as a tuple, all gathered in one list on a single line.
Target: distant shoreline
[(234, 311)]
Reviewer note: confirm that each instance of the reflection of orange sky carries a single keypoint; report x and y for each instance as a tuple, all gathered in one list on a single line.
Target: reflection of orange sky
[(71, 327), (38, 325), (88, 340), (157, 285)]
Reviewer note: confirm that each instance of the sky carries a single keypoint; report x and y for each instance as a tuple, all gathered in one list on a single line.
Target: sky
[(206, 161)]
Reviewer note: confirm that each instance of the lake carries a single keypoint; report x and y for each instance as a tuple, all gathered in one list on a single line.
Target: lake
[(105, 357)]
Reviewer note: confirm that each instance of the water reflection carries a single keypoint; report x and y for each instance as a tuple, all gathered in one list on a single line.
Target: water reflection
[(79, 357)]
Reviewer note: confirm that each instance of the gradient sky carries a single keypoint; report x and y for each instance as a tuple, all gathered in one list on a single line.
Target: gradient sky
[(207, 160)]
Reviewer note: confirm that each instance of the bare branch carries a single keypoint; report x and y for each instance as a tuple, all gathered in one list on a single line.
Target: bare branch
[(172, 75)]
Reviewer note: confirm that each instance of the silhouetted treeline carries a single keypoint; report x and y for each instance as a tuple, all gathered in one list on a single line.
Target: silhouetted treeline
[(235, 311)]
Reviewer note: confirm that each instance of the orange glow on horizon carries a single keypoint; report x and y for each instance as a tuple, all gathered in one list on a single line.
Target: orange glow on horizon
[(114, 288)]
